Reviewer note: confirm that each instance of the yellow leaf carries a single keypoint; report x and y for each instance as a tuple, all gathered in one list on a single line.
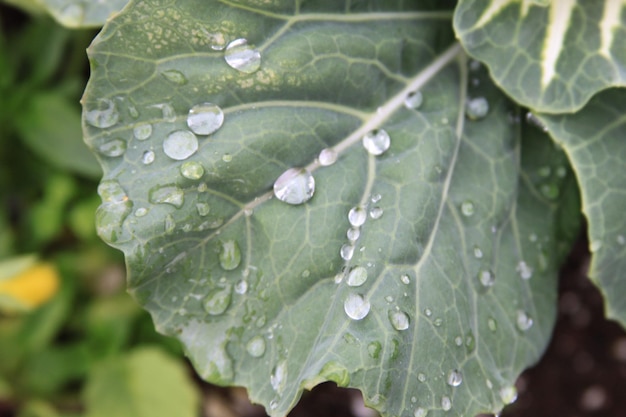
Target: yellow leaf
[(32, 286)]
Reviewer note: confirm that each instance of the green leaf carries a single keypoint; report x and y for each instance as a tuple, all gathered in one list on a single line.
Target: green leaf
[(550, 56), (50, 126), (80, 13), (448, 291), (594, 142), (144, 383)]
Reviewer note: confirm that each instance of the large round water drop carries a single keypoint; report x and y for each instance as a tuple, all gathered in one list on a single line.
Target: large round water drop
[(377, 142), (205, 118), (242, 57), (356, 306), (295, 186), (180, 145)]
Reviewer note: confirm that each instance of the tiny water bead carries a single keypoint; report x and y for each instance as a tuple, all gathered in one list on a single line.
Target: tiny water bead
[(203, 209), (357, 277), (147, 157), (180, 145), (192, 170), (111, 191), (523, 321), (377, 142), (353, 234), (141, 211), (446, 404), (420, 412), (376, 198), (167, 194), (467, 208), (229, 255), (242, 57), (327, 157), (524, 271), (205, 118), (256, 346), (399, 320), (142, 131), (346, 252), (357, 216), (508, 394), (356, 306), (476, 108), (376, 213), (105, 115), (455, 378), (295, 186), (174, 76), (478, 253), (241, 287), (278, 378), (487, 278), (405, 279), (414, 100), (113, 148), (217, 300), (421, 377), (492, 324)]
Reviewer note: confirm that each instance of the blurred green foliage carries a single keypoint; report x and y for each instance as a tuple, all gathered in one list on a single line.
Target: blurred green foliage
[(83, 352)]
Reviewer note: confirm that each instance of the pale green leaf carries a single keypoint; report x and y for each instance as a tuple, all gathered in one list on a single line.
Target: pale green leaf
[(550, 56), (144, 383), (457, 255), (594, 141)]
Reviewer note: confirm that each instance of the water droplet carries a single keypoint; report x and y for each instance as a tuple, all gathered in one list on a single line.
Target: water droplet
[(458, 341), (455, 378), (142, 131), (241, 287), (373, 349), (192, 170), (105, 115), (242, 57), (167, 111), (357, 216), (428, 312), (279, 377), (203, 209), (346, 252), (524, 271), (327, 157), (405, 279), (141, 211), (399, 320), (524, 322), (295, 186), (111, 192), (230, 255), (478, 253), (256, 346), (421, 377), (508, 394), (205, 118), (353, 234), (167, 194), (476, 108), (357, 277), (492, 324), (147, 158), (376, 198), (414, 100), (446, 404), (113, 148), (420, 412), (227, 157), (273, 405), (467, 208), (376, 213), (180, 145), (438, 322), (356, 306), (217, 300), (486, 278), (174, 76), (334, 371), (170, 224), (376, 142)]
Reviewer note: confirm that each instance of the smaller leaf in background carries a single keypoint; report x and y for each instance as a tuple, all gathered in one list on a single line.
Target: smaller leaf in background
[(81, 218), (25, 284), (38, 408), (83, 14), (593, 139), (51, 127), (144, 383)]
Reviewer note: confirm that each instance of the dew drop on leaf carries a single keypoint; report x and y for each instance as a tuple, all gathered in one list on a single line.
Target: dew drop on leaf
[(180, 145), (106, 115), (192, 170), (508, 395), (376, 213), (142, 131), (524, 322), (492, 324), (357, 216), (111, 192), (353, 234), (203, 209), (327, 157), (279, 377), (295, 186), (421, 377), (420, 412), (478, 253), (446, 404), (346, 252), (357, 277), (147, 157), (174, 76), (256, 346), (455, 378), (356, 306), (334, 371), (377, 142), (167, 111), (217, 300), (476, 108), (242, 57), (414, 100), (373, 349), (524, 271), (141, 211), (167, 194), (399, 320), (229, 255), (169, 224), (241, 287), (405, 279), (205, 118), (487, 278), (467, 208), (113, 148)]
